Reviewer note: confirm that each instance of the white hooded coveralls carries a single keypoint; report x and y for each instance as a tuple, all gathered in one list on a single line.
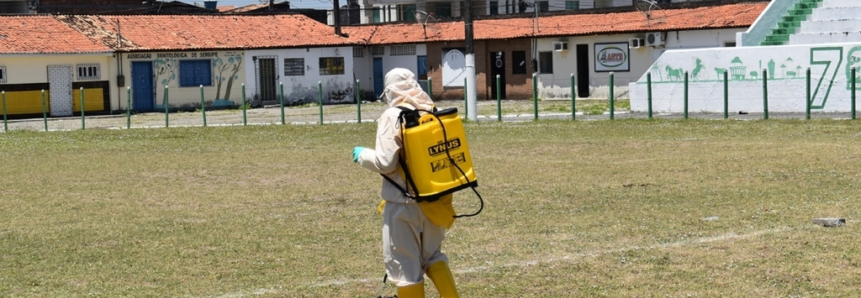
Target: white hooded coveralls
[(411, 242)]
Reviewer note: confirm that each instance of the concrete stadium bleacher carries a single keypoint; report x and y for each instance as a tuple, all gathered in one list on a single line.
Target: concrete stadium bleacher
[(833, 21)]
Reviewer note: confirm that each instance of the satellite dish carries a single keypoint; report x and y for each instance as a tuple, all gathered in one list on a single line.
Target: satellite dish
[(651, 10), (429, 23)]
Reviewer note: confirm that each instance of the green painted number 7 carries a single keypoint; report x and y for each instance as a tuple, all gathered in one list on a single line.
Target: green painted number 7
[(825, 56)]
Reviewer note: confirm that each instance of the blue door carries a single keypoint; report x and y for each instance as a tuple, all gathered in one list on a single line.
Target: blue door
[(142, 94), (378, 77)]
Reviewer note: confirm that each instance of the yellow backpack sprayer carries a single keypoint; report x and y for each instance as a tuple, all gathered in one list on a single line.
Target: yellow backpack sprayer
[(435, 159)]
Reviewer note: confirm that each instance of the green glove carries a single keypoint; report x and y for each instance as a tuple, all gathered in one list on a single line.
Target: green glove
[(356, 152)]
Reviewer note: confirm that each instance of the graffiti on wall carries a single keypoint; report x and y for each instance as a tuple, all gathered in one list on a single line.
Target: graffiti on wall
[(334, 91)]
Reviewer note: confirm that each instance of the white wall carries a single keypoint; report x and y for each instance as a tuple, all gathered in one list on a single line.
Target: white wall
[(404, 61), (363, 69), (786, 65), (304, 89), (557, 84)]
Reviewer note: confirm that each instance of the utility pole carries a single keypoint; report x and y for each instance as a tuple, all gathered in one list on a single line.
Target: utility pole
[(336, 17), (470, 87)]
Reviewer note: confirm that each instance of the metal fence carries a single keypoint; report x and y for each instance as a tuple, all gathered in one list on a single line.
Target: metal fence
[(498, 110)]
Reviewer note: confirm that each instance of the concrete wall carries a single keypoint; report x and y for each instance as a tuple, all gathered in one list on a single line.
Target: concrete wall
[(786, 65), (304, 89), (363, 70)]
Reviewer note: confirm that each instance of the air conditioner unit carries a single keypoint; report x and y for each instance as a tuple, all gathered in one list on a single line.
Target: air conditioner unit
[(635, 43), (560, 46), (654, 39)]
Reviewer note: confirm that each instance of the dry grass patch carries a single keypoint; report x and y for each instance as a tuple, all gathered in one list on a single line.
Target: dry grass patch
[(631, 208)]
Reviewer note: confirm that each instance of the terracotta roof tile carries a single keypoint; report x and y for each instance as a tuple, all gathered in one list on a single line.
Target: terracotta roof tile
[(185, 32), (707, 17), (43, 35)]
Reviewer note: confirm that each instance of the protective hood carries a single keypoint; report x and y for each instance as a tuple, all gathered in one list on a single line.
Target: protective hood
[(403, 89)]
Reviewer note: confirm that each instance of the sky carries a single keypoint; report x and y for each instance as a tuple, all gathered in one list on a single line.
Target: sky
[(315, 4)]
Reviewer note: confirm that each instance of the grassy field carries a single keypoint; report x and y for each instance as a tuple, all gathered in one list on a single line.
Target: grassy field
[(631, 208)]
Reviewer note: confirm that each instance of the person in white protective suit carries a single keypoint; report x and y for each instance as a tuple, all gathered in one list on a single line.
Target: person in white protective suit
[(412, 235)]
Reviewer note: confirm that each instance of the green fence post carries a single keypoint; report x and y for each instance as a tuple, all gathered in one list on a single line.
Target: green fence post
[(5, 121), (498, 100), (573, 99), (166, 105), (320, 92), (535, 96), (649, 92), (44, 110), (83, 125), (281, 84), (202, 106), (853, 93), (686, 93), (128, 107), (244, 104), (358, 102), (725, 94), (765, 94), (612, 97), (430, 87), (807, 99), (465, 101)]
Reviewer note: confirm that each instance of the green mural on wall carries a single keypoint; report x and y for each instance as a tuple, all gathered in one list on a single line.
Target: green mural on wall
[(825, 56), (853, 60), (825, 64)]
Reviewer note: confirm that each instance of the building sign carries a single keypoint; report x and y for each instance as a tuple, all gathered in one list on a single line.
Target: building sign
[(453, 67), (174, 55), (611, 57)]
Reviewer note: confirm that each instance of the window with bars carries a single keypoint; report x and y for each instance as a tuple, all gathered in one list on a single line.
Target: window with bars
[(193, 73), (294, 66), (358, 52), (331, 65), (2, 74), (378, 51), (88, 72), (403, 50)]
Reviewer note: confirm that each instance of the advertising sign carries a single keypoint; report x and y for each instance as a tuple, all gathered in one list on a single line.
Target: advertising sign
[(612, 57)]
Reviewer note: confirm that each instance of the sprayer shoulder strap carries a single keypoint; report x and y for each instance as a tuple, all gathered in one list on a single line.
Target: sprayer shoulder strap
[(408, 180)]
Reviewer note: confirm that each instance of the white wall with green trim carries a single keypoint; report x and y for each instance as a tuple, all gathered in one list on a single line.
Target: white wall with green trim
[(830, 66)]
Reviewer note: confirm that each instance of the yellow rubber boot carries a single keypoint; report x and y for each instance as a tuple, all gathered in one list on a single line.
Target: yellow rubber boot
[(441, 276), (412, 291)]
